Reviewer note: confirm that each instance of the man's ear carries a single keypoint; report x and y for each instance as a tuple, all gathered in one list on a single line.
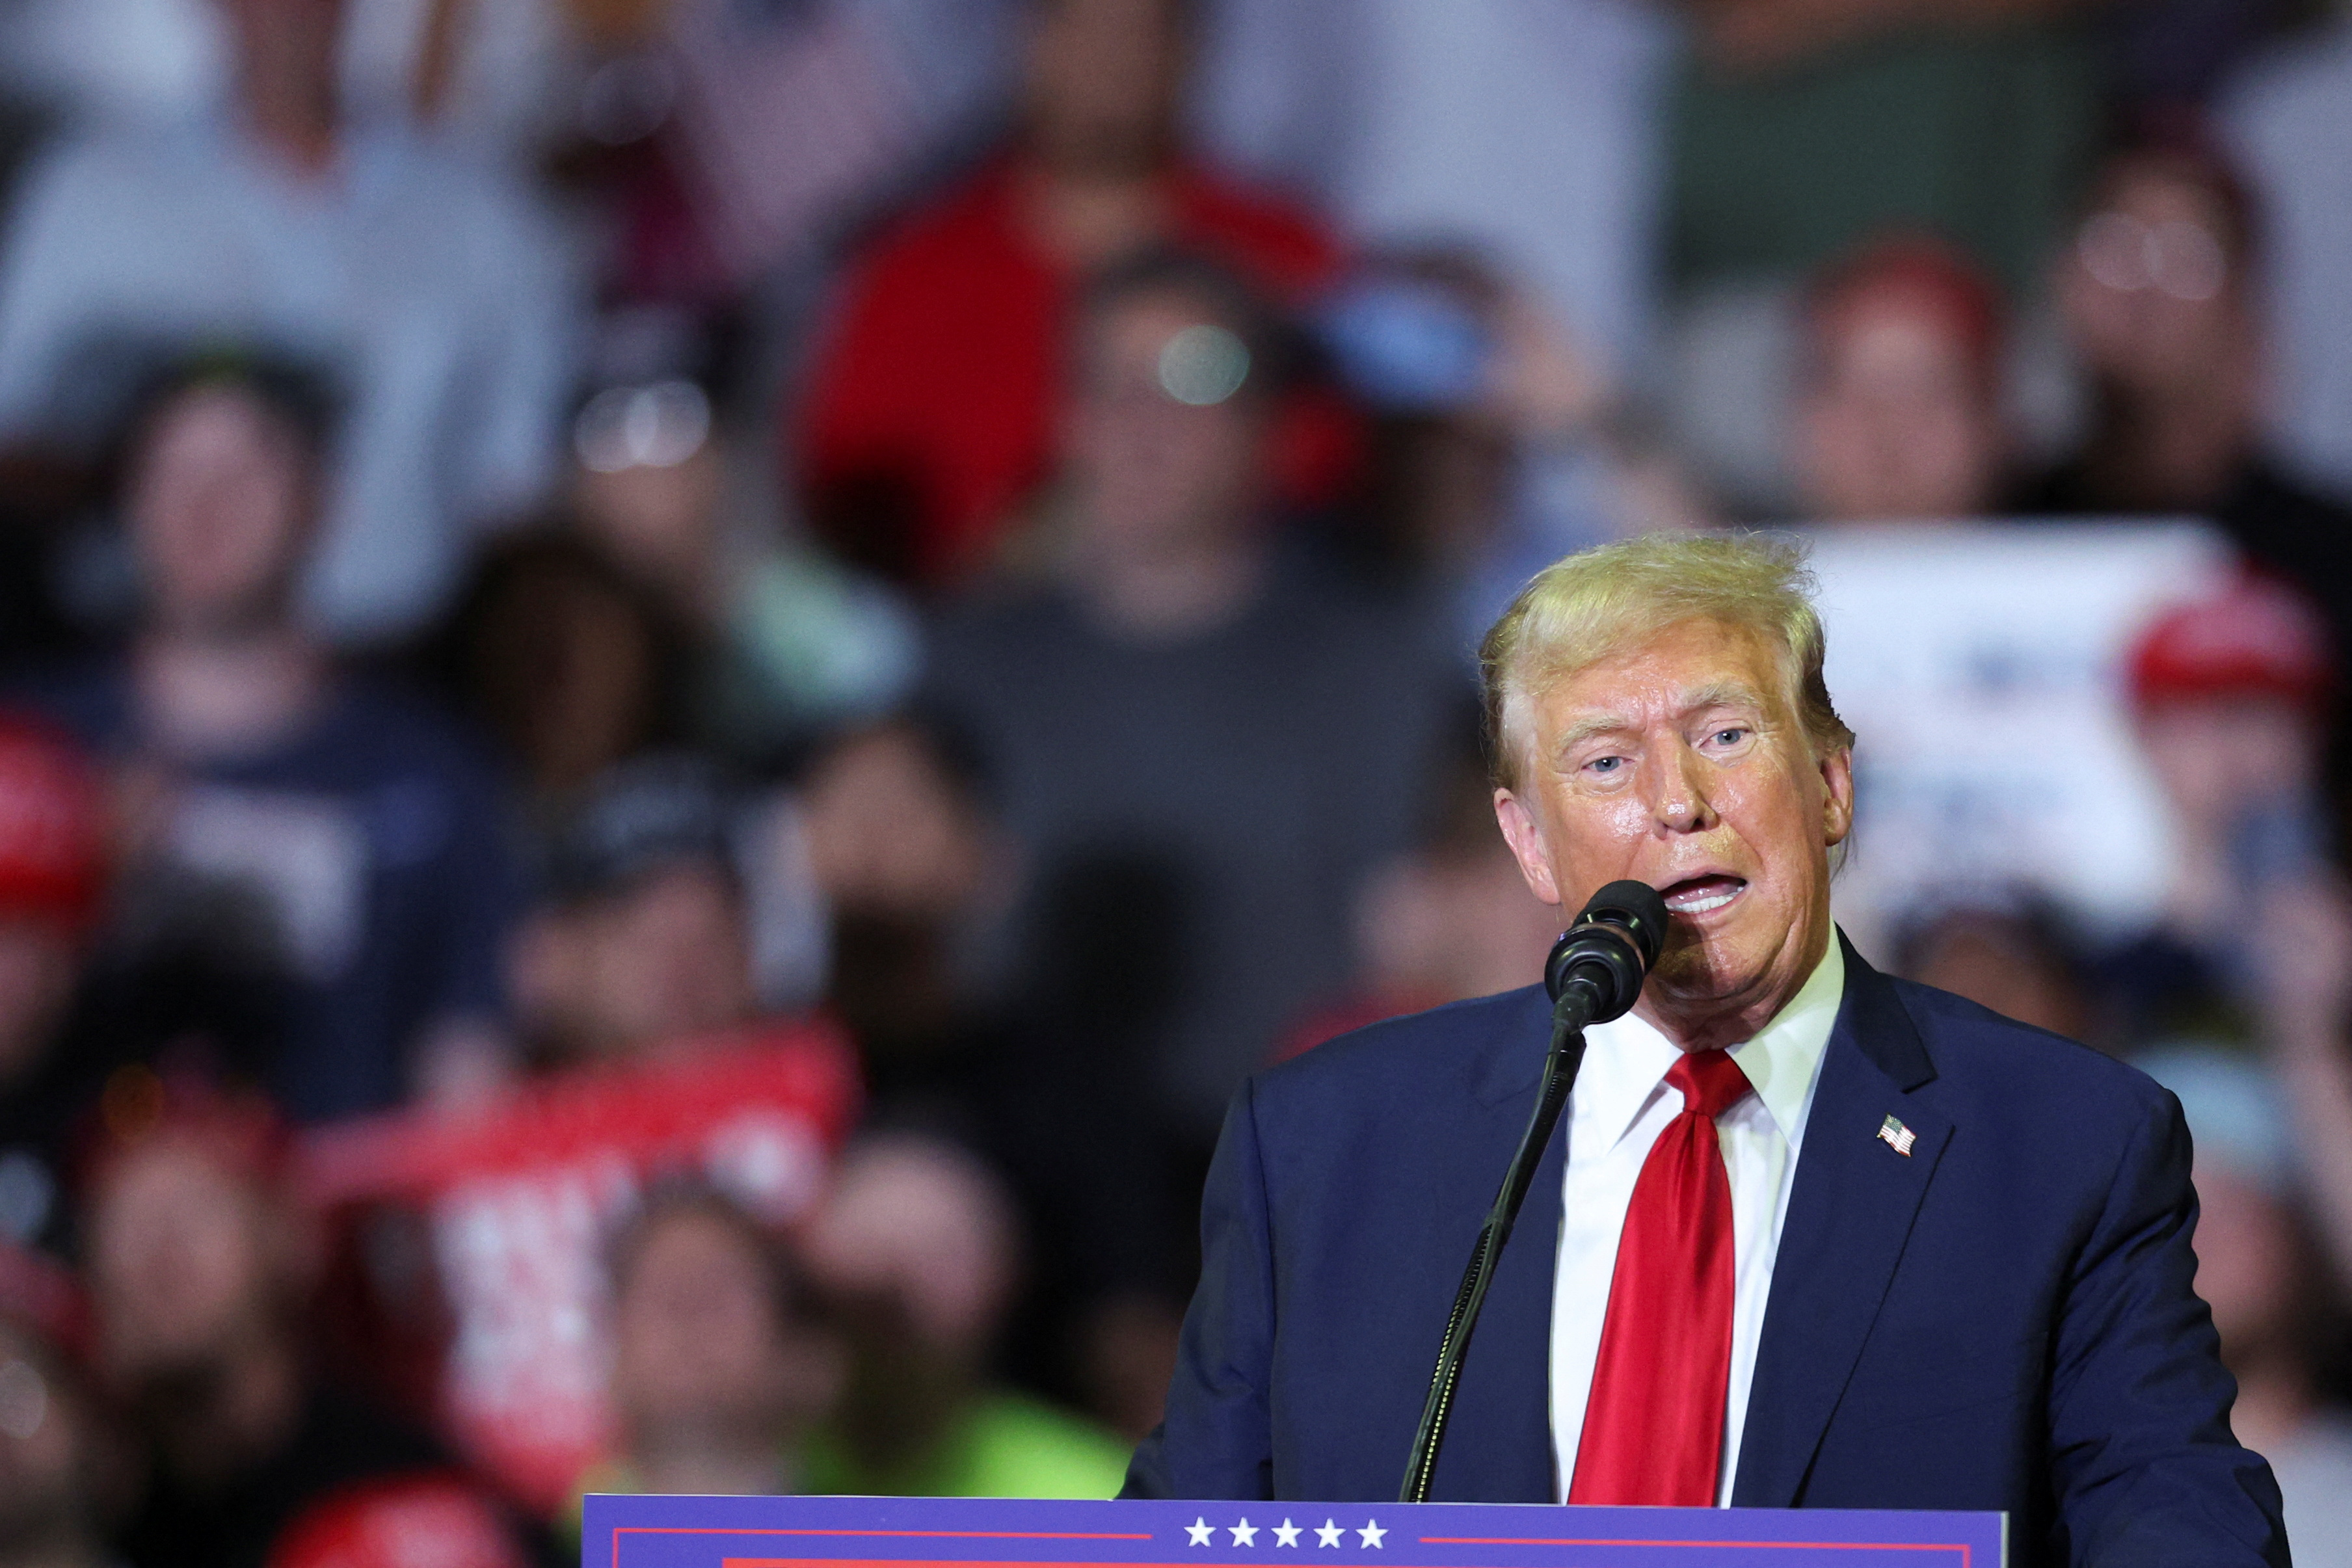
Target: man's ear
[(1525, 835), (1837, 808)]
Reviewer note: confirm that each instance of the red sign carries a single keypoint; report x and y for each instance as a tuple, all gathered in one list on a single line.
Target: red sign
[(521, 1197)]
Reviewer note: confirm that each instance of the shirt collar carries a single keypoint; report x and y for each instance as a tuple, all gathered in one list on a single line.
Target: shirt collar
[(1626, 1059)]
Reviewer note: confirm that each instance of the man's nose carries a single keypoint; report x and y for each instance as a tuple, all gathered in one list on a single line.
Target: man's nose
[(1675, 790)]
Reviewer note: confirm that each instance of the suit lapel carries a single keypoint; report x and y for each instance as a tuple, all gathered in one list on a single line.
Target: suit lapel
[(1499, 1446), (1850, 1214)]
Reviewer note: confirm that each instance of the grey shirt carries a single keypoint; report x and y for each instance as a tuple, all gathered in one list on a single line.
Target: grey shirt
[(429, 286), (1198, 814)]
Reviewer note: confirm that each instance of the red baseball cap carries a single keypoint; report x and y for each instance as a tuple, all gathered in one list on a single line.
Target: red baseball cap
[(52, 826), (2255, 638)]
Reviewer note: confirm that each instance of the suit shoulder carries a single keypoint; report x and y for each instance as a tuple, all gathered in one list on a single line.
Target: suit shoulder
[(1403, 1057)]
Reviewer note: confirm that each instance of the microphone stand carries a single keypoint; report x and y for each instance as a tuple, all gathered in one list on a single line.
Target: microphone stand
[(1568, 1017)]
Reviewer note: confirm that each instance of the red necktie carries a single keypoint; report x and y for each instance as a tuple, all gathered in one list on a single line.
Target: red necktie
[(1653, 1425)]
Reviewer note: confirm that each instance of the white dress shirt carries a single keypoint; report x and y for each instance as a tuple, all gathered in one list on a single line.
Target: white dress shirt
[(1621, 1104)]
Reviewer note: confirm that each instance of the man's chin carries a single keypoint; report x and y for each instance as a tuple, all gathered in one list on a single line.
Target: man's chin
[(1697, 970)]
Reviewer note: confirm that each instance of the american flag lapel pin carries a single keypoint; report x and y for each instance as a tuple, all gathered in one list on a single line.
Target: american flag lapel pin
[(1898, 1137)]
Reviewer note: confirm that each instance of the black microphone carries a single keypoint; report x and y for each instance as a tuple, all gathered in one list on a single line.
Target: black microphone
[(1601, 959), (1594, 973)]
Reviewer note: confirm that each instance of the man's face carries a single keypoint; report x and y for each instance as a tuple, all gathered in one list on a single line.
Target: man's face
[(923, 1232), (219, 510), (660, 520), (2218, 758), (1897, 423), (1149, 473), (2149, 292), (667, 959), (181, 1262), (700, 1345), (1682, 763), (889, 834)]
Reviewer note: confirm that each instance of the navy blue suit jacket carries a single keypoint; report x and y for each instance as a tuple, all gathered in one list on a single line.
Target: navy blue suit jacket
[(2001, 1320)]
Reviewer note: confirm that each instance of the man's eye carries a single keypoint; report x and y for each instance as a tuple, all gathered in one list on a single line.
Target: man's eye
[(1729, 737), (1605, 763)]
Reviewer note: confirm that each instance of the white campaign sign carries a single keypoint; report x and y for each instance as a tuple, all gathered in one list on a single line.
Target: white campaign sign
[(1982, 668)]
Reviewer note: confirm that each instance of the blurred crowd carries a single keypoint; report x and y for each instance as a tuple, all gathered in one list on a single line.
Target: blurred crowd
[(575, 570)]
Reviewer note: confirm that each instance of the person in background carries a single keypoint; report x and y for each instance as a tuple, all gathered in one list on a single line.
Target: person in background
[(2255, 945), (2230, 694), (931, 409), (642, 940), (919, 1251), (2159, 295), (1161, 711), (2261, 1268), (915, 869), (74, 1015), (62, 1473), (1493, 445), (786, 642), (53, 877), (912, 866), (201, 1268), (2016, 956), (720, 1366), (566, 660), (1447, 920), (425, 277), (284, 814), (1899, 415)]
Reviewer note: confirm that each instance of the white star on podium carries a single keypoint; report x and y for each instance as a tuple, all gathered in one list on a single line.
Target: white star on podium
[(1285, 1534), (1329, 1534), (1372, 1533), (1245, 1533), (1200, 1529)]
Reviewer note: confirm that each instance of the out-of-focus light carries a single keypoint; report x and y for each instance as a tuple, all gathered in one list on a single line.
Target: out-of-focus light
[(656, 426), (2186, 261), (1203, 365), (2176, 257), (2113, 248), (24, 1400)]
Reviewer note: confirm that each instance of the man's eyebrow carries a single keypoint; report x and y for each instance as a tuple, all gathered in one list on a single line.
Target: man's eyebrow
[(1723, 693), (1592, 727)]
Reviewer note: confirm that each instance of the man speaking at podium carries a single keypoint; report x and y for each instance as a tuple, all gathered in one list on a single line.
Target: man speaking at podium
[(1814, 1237)]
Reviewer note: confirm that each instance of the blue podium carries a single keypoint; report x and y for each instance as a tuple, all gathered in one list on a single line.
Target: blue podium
[(952, 1532)]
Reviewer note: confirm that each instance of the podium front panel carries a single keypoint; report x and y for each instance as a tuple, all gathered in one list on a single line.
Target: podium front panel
[(957, 1532)]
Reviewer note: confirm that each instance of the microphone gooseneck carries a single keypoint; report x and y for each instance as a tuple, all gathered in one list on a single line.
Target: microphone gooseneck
[(1594, 973)]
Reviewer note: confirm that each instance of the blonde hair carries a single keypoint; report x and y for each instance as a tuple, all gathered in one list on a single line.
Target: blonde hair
[(1583, 607)]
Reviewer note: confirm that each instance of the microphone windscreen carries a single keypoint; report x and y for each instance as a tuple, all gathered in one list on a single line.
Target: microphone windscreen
[(1636, 907), (1616, 937)]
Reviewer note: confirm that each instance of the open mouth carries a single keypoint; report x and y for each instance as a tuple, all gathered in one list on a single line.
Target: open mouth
[(1703, 894)]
